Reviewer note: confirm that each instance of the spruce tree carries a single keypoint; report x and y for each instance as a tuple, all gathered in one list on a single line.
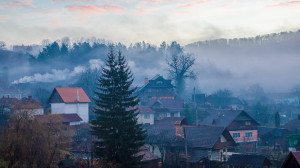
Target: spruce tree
[(120, 136)]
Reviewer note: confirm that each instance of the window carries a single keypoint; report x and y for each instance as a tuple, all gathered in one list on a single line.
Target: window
[(236, 135), (248, 134), (146, 116), (247, 123)]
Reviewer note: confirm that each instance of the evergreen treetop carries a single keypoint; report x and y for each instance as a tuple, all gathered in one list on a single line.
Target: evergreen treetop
[(120, 137)]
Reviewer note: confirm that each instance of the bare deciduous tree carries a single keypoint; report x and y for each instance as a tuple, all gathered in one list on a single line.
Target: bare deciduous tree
[(180, 68)]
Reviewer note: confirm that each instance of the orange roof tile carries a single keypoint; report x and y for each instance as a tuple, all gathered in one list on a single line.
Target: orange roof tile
[(69, 95)]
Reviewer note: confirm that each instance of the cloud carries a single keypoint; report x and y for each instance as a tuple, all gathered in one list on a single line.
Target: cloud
[(146, 11), (80, 1), (285, 4), (194, 4), (3, 16), (229, 3), (59, 75), (57, 23), (17, 4), (95, 9)]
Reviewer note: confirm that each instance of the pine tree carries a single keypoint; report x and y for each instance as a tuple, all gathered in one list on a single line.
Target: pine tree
[(120, 137)]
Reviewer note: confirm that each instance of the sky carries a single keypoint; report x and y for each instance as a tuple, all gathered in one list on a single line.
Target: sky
[(153, 21)]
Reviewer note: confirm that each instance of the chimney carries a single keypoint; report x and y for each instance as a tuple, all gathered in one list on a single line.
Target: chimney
[(77, 96), (146, 81), (178, 129)]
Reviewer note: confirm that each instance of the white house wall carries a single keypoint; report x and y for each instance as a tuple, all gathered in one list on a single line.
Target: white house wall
[(82, 109), (142, 120), (57, 108)]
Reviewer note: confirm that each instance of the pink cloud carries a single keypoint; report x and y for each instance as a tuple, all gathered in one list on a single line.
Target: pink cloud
[(194, 4), (229, 3), (285, 4), (57, 23), (81, 20), (3, 16), (146, 11), (83, 1), (17, 4), (94, 9), (143, 3)]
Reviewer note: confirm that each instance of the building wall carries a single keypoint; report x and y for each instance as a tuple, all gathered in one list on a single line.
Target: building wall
[(57, 108), (143, 120), (243, 137), (39, 111), (82, 109)]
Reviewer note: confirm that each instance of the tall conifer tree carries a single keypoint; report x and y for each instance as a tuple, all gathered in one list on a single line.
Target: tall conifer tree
[(120, 137)]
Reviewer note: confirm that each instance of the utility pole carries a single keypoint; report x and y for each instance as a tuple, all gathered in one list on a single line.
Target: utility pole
[(196, 106)]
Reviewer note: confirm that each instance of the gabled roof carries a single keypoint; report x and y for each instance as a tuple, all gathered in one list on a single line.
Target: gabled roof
[(154, 83), (170, 105), (243, 160), (68, 95), (164, 129), (292, 125), (145, 110), (223, 118), (207, 136), (25, 103), (295, 155), (62, 118)]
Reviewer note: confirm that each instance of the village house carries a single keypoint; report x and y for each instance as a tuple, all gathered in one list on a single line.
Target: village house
[(294, 138), (157, 88), (67, 119), (8, 105), (158, 100), (66, 100), (178, 143), (242, 127), (292, 160), (249, 161)]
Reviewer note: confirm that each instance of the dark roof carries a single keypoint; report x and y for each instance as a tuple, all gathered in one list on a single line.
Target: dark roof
[(68, 95), (63, 118), (169, 105), (203, 137), (243, 160), (295, 155), (223, 118), (158, 82), (264, 130), (164, 129), (293, 125), (145, 110)]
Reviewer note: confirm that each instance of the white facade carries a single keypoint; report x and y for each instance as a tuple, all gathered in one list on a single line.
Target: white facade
[(82, 109), (146, 118)]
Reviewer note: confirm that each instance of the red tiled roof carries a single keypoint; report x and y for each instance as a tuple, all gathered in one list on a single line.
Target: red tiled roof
[(69, 95), (29, 103), (63, 118), (25, 103), (297, 156)]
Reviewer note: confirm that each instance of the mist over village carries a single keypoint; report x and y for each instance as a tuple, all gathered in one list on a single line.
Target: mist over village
[(149, 84)]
